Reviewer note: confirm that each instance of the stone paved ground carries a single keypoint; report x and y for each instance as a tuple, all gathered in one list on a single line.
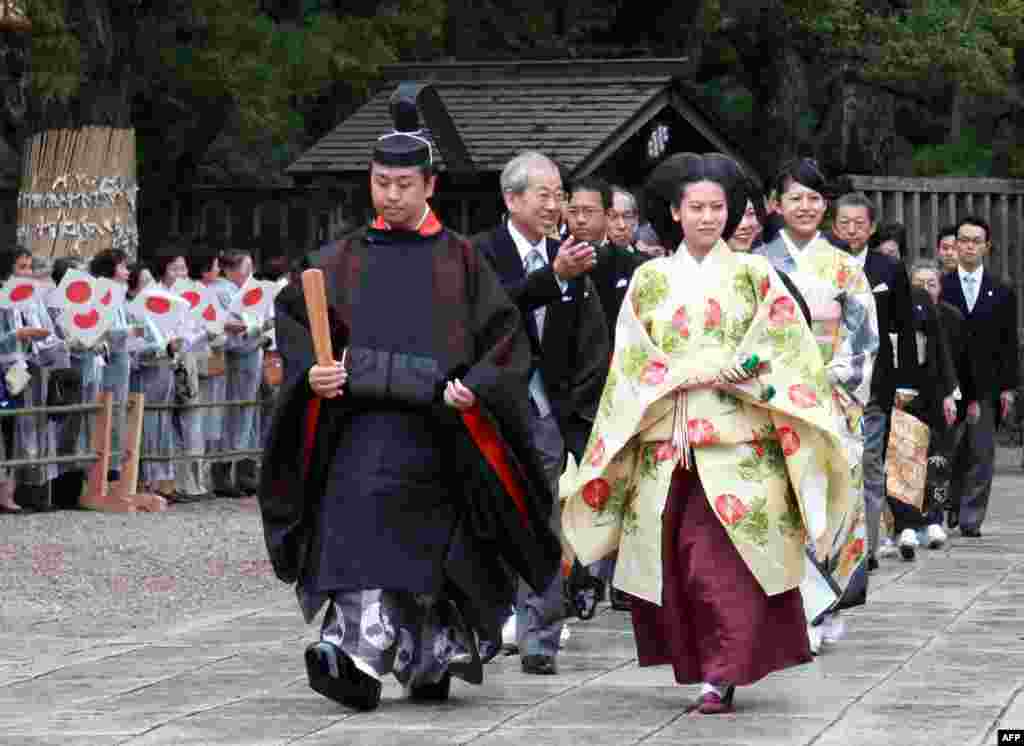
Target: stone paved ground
[(936, 657)]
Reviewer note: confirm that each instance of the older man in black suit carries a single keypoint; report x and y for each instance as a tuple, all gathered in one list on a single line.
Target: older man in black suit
[(987, 368), (569, 339)]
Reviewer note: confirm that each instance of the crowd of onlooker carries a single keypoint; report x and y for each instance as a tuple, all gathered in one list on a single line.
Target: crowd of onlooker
[(42, 365)]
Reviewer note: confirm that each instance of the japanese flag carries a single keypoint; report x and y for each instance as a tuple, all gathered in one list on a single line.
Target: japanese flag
[(166, 311), (84, 317), (255, 299), (191, 291), (19, 292)]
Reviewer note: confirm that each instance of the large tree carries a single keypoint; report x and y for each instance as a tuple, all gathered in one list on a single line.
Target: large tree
[(181, 71)]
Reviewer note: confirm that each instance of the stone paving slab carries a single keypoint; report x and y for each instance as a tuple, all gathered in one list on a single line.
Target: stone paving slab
[(935, 657)]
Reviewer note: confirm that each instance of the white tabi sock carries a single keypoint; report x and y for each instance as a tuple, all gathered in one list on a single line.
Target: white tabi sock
[(712, 689)]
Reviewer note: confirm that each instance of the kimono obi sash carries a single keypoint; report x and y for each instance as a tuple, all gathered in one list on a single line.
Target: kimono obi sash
[(394, 376), (658, 426), (826, 319)]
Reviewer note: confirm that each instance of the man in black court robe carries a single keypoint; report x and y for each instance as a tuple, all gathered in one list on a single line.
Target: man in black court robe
[(376, 498)]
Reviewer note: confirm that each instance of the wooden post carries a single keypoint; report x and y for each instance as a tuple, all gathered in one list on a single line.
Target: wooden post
[(933, 237), (97, 496), (131, 444), (1020, 260), (1004, 237), (915, 225), (131, 455), (228, 220), (897, 216), (951, 206)]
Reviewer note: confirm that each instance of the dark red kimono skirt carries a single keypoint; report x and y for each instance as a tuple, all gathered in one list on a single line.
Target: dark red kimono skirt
[(716, 625)]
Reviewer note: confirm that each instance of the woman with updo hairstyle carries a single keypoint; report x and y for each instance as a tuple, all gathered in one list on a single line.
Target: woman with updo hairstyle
[(845, 324), (713, 457), (112, 264)]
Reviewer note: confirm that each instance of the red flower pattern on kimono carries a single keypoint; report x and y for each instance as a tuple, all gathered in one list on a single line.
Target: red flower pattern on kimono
[(712, 315), (654, 373), (783, 311), (596, 493), (802, 395), (766, 285), (597, 453), (702, 432), (681, 323), (842, 277), (665, 451), (856, 550), (758, 446), (789, 440), (730, 509)]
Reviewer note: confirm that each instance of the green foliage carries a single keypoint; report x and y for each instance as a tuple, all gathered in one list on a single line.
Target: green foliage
[(56, 53), (227, 49), (965, 157), (966, 42)]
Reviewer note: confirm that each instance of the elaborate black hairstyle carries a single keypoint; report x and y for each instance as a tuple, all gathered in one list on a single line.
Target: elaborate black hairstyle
[(407, 145), (667, 183)]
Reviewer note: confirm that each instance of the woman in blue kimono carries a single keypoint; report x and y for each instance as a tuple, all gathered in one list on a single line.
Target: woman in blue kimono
[(15, 339)]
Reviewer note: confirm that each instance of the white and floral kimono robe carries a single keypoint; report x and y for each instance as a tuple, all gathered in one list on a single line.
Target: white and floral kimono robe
[(767, 451), (845, 324)]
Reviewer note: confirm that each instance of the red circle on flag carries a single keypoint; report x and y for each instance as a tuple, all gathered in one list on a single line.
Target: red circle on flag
[(210, 314), (253, 297), (158, 305), (87, 320), (22, 292), (192, 297), (78, 291)]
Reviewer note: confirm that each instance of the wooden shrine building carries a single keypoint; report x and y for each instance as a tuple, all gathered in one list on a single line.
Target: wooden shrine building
[(613, 118)]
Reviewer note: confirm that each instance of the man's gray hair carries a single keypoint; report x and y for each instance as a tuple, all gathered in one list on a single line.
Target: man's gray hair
[(857, 199), (515, 177), (616, 189), (930, 265)]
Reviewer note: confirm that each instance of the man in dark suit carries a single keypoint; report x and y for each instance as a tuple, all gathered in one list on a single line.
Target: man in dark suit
[(617, 259), (855, 224), (987, 368), (569, 340)]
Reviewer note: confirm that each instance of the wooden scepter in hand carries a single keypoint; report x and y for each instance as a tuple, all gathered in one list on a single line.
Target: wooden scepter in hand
[(316, 306), (314, 291)]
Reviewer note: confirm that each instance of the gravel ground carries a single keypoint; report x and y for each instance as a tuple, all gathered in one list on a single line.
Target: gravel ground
[(88, 574), (101, 575)]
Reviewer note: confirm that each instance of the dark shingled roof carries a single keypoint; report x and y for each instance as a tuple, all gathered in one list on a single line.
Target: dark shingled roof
[(498, 119)]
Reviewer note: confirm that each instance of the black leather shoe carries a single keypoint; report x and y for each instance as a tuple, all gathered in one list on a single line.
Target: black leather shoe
[(872, 563), (437, 692), (621, 601), (227, 490), (539, 665), (952, 519), (973, 533), (334, 675)]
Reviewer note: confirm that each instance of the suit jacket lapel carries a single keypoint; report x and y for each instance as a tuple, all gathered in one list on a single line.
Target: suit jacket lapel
[(981, 303), (958, 293), (506, 255)]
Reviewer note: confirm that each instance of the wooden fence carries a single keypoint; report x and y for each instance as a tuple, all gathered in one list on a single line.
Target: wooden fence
[(924, 206)]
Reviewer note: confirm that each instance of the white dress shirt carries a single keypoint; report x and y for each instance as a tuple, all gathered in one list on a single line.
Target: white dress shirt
[(792, 248), (524, 247), (972, 289)]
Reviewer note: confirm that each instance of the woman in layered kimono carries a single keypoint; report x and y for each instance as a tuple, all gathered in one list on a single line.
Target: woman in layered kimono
[(112, 264), (14, 341), (187, 423), (713, 458), (845, 325), (205, 269), (35, 436), (156, 360)]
